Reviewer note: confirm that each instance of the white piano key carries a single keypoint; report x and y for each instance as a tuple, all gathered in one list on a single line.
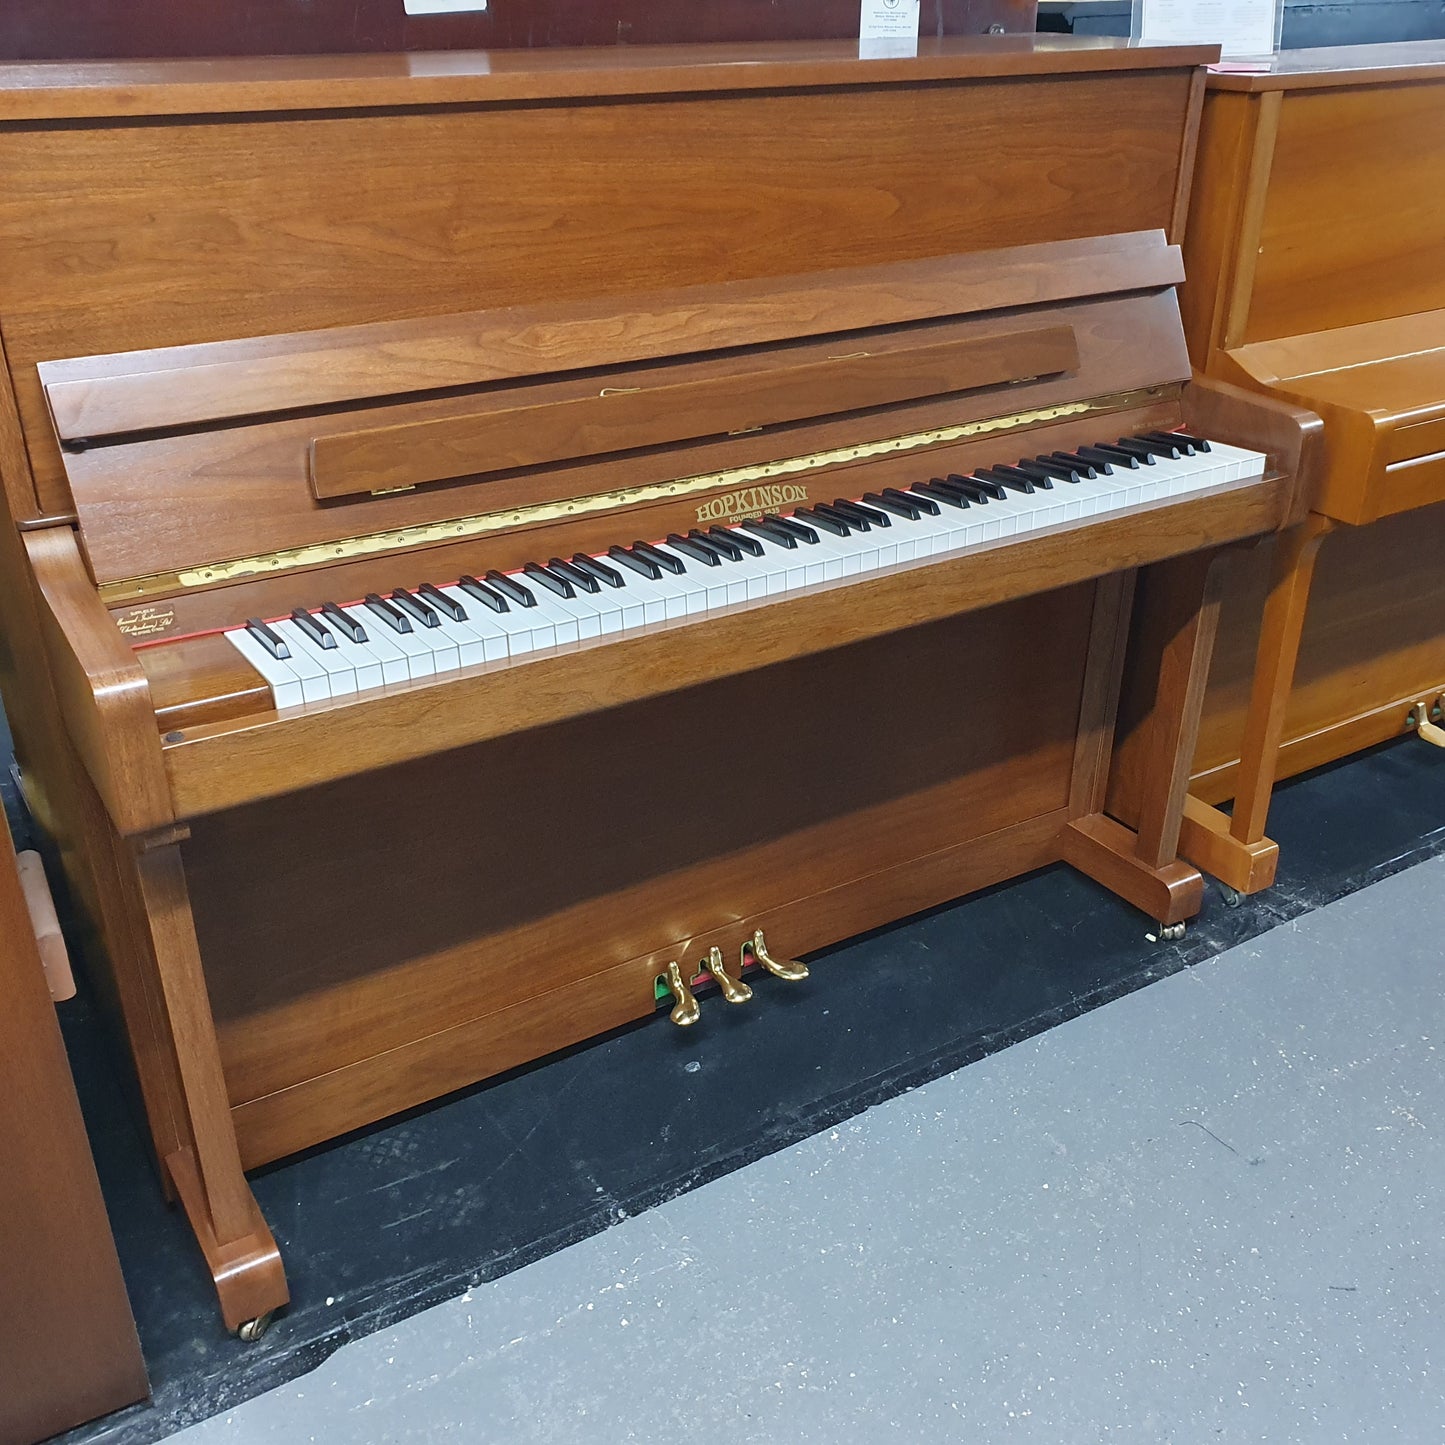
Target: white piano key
[(512, 635), (281, 678), (340, 676), (420, 659)]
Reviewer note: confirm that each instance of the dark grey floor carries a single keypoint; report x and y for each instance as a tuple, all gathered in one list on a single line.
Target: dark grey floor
[(1210, 1210)]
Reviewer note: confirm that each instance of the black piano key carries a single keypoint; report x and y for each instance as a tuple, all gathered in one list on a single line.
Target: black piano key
[(723, 554), (980, 478), (418, 609), (739, 539), (268, 639), (670, 560), (973, 492), (312, 628), (550, 580), (899, 505), (640, 565), (1022, 473), (696, 550), (1179, 438), (1056, 471), (794, 526), (600, 570), (1009, 478), (487, 596), (397, 621), (829, 509), (1103, 457), (1082, 464), (770, 532), (1142, 448), (719, 543), (575, 575), (511, 589), (936, 492), (343, 622), (816, 517), (912, 499), (868, 514), (447, 606), (1140, 454)]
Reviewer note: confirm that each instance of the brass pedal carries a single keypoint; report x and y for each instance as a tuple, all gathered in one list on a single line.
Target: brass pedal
[(789, 969), (734, 990), (1420, 720), (685, 1011)]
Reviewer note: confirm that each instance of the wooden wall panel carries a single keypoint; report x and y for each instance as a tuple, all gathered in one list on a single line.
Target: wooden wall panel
[(113, 29)]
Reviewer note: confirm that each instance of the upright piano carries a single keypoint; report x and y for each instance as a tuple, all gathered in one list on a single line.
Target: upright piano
[(1316, 260), (505, 545)]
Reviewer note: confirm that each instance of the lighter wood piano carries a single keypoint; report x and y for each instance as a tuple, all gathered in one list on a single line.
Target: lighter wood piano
[(1316, 260), (563, 361)]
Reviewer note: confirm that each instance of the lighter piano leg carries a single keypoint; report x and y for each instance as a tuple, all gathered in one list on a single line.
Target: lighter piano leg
[(1234, 848), (205, 1169)]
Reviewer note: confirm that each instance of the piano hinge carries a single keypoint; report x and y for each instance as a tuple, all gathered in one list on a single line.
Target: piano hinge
[(132, 589), (392, 491)]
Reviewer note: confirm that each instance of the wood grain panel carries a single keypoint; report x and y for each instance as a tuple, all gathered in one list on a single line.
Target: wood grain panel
[(68, 1346), (191, 233), (1346, 237), (1375, 631), (846, 763)]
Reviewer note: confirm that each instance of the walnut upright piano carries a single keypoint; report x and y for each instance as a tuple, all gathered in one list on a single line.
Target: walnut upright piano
[(516, 542)]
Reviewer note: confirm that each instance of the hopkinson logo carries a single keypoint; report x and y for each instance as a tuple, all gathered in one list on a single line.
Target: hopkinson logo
[(750, 503)]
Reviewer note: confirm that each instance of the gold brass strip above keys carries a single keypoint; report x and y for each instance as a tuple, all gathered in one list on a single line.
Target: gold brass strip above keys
[(770, 474)]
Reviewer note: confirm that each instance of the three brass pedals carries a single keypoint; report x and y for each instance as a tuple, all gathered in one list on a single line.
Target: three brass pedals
[(685, 1009)]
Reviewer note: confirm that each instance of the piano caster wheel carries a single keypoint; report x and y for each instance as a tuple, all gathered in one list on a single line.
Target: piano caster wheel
[(685, 1011), (734, 990), (1171, 932), (252, 1330), (1230, 897), (788, 969)]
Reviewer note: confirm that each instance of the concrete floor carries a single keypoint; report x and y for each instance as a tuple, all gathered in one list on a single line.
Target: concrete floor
[(1211, 1210)]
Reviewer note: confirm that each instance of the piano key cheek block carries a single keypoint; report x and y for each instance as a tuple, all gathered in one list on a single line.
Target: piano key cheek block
[(402, 589)]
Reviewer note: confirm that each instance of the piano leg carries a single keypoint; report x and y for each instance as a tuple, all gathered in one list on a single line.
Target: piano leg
[(1141, 863), (1234, 848), (205, 1169)]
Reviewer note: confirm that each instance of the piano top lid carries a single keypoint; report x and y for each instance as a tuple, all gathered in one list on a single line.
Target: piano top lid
[(65, 90), (1343, 65)]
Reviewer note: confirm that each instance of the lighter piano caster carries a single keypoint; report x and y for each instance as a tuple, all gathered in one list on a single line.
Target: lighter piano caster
[(253, 1330)]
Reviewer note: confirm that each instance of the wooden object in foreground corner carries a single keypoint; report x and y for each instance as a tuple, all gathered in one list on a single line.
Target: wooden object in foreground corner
[(1316, 263), (68, 1347), (530, 353)]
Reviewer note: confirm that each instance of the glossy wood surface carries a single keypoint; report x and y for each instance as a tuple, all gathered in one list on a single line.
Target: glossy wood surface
[(68, 1346), (72, 29)]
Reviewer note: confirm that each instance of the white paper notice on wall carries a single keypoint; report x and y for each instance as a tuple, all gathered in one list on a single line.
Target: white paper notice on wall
[(888, 27), (1245, 28), (443, 7)]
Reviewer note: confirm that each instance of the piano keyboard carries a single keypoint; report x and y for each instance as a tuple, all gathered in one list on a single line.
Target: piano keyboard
[(335, 651)]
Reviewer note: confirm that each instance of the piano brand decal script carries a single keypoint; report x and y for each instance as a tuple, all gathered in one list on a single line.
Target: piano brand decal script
[(146, 621), (734, 506)]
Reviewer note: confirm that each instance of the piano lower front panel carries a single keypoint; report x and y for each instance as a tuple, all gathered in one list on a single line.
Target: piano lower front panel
[(1373, 645), (376, 942)]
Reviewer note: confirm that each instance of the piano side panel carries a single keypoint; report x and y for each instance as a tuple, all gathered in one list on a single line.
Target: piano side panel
[(128, 236), (359, 917), (1355, 210)]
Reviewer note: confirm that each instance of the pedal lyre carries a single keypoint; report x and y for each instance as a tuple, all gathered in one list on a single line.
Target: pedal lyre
[(734, 990), (789, 969), (685, 1010)]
